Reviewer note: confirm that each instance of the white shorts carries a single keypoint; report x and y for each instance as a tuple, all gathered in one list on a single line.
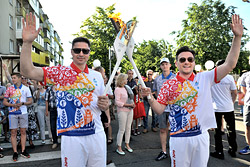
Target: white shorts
[(84, 151), (189, 151)]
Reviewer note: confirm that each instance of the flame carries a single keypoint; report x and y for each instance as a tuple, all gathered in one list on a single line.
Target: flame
[(116, 17)]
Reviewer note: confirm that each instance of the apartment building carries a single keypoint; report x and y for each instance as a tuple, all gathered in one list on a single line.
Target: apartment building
[(46, 49)]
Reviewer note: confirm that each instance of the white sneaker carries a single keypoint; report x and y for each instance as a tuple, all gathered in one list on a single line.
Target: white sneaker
[(54, 146)]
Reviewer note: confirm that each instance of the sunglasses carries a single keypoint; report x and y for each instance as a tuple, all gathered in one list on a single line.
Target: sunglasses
[(150, 74), (189, 59), (78, 50)]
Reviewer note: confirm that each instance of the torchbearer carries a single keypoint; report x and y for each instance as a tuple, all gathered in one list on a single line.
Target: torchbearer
[(189, 99)]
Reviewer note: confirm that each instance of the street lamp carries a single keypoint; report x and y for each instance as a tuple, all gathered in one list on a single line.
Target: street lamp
[(96, 63), (197, 68), (111, 53), (209, 64)]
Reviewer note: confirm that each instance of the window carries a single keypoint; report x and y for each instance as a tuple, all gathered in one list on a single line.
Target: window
[(11, 46), (18, 6), (18, 23), (11, 21)]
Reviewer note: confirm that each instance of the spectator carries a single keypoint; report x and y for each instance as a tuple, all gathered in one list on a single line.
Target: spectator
[(163, 118), (245, 88), (149, 83), (17, 97), (51, 109), (224, 95), (124, 99), (41, 109)]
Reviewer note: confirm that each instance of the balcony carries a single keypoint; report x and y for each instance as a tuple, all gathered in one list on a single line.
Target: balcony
[(47, 40), (41, 59), (18, 34), (37, 45), (20, 11)]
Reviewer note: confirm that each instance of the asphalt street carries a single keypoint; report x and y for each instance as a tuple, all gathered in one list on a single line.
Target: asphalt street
[(146, 147)]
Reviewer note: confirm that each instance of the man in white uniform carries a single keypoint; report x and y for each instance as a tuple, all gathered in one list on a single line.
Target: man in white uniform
[(79, 92), (189, 98)]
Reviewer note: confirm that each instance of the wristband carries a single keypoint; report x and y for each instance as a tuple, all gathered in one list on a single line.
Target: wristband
[(22, 103)]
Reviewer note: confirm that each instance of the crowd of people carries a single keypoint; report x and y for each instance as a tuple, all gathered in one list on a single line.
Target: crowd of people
[(70, 101)]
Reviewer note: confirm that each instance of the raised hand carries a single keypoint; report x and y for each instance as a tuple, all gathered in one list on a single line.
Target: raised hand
[(236, 25), (30, 33)]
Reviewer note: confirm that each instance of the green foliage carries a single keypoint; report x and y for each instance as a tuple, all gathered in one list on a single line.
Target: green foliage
[(148, 54), (100, 31), (207, 30)]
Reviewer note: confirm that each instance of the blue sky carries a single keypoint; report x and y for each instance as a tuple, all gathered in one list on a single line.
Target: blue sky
[(157, 18)]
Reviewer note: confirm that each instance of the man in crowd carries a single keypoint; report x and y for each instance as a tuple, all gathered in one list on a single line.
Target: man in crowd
[(17, 97), (189, 99), (149, 83), (224, 95), (51, 109), (80, 100), (163, 117), (245, 88)]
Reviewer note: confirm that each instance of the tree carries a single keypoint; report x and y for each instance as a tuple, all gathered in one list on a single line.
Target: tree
[(148, 54), (101, 33), (207, 30)]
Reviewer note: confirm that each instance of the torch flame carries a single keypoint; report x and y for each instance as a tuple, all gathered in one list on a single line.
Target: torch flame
[(116, 17)]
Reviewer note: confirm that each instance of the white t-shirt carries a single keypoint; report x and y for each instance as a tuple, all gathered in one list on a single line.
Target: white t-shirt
[(221, 94)]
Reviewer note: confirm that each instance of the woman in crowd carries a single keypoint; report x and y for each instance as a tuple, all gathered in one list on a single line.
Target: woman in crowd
[(40, 109), (124, 99)]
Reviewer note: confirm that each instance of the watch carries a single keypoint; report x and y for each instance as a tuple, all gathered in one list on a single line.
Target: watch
[(22, 103)]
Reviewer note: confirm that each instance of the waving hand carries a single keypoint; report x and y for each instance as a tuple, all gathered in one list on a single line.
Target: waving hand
[(29, 28)]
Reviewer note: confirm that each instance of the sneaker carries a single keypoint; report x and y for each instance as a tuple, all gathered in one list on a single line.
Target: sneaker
[(245, 150), (219, 155), (154, 129), (54, 145), (232, 153), (43, 142), (137, 131), (133, 133), (25, 154), (144, 131), (161, 156), (15, 156)]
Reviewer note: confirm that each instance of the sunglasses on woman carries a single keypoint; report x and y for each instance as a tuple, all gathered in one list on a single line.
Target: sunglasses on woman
[(189, 59), (78, 50)]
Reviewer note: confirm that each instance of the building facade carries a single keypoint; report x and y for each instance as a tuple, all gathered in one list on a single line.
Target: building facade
[(46, 49)]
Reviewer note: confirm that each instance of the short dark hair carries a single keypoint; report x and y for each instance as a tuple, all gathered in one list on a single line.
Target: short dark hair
[(17, 74), (80, 39), (219, 62), (130, 70), (184, 49), (99, 69)]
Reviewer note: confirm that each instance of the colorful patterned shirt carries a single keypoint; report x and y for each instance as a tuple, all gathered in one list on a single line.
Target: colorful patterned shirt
[(190, 103), (17, 95), (77, 94)]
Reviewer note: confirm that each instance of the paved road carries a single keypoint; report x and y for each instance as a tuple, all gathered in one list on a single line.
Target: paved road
[(146, 148)]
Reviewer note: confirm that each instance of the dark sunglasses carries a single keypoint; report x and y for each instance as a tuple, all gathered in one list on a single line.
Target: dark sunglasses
[(189, 59), (24, 78), (150, 74), (78, 50)]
